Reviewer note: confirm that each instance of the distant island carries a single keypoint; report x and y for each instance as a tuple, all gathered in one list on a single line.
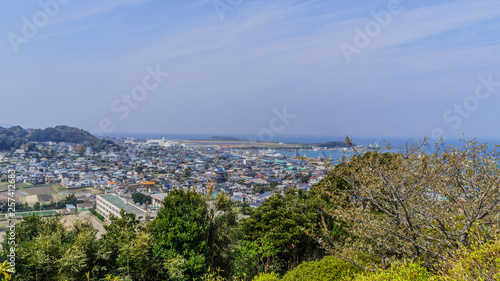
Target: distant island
[(219, 138), (331, 144)]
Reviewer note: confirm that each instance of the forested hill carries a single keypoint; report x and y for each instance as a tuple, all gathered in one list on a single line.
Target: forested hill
[(17, 136)]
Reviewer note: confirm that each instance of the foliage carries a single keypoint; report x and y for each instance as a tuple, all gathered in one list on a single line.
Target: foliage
[(191, 235), (283, 221), (262, 188), (413, 205), (16, 137), (180, 234), (213, 276), (480, 261), (404, 272), (95, 213), (408, 215), (140, 198), (222, 219), (252, 257), (71, 199), (139, 169), (328, 268), (267, 277), (304, 178), (5, 270), (46, 250), (129, 245), (80, 149)]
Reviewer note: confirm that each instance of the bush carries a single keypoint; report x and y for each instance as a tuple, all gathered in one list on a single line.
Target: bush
[(405, 272), (481, 261), (140, 198), (95, 213), (328, 268), (267, 277)]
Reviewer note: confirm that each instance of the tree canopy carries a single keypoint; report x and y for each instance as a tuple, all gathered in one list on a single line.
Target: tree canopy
[(411, 214), (414, 204)]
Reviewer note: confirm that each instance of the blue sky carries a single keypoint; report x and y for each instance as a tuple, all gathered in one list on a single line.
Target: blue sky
[(229, 72)]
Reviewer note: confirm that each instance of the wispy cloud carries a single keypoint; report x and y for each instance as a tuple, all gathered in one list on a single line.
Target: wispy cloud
[(282, 52), (93, 8), (417, 24)]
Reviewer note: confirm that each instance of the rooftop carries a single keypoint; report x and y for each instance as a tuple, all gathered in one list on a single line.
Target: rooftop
[(159, 196), (120, 204)]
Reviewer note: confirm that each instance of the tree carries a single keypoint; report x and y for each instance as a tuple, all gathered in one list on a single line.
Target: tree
[(413, 205), (140, 198), (129, 244), (139, 169), (80, 149), (180, 230), (193, 235), (479, 261), (254, 257), (304, 178), (46, 250), (135, 258), (71, 199), (187, 173), (222, 235), (285, 220)]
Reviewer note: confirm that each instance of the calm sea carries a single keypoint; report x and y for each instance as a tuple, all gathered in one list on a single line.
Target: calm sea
[(333, 155), (396, 141)]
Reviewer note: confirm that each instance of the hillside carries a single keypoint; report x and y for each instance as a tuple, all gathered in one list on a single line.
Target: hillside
[(17, 136)]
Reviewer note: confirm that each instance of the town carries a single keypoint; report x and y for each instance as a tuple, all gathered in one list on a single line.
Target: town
[(137, 177)]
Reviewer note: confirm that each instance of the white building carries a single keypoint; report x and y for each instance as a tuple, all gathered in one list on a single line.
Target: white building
[(157, 199), (108, 205)]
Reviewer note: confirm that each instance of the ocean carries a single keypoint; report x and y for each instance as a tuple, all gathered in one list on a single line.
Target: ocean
[(333, 155), (396, 141)]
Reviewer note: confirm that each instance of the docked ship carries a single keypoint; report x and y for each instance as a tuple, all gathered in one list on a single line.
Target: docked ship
[(374, 146)]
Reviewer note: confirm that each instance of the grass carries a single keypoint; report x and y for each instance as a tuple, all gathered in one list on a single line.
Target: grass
[(58, 188), (18, 185), (41, 213)]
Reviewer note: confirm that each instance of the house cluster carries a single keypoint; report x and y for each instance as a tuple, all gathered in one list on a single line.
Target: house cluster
[(156, 166)]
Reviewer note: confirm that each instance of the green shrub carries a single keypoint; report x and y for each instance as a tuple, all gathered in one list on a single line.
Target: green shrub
[(267, 277), (480, 261), (405, 272), (95, 213), (328, 268)]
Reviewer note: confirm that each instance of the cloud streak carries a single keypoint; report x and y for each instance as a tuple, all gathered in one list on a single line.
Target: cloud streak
[(226, 77)]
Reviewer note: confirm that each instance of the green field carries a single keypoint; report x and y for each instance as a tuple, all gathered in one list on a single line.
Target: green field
[(18, 185), (40, 213), (59, 188)]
